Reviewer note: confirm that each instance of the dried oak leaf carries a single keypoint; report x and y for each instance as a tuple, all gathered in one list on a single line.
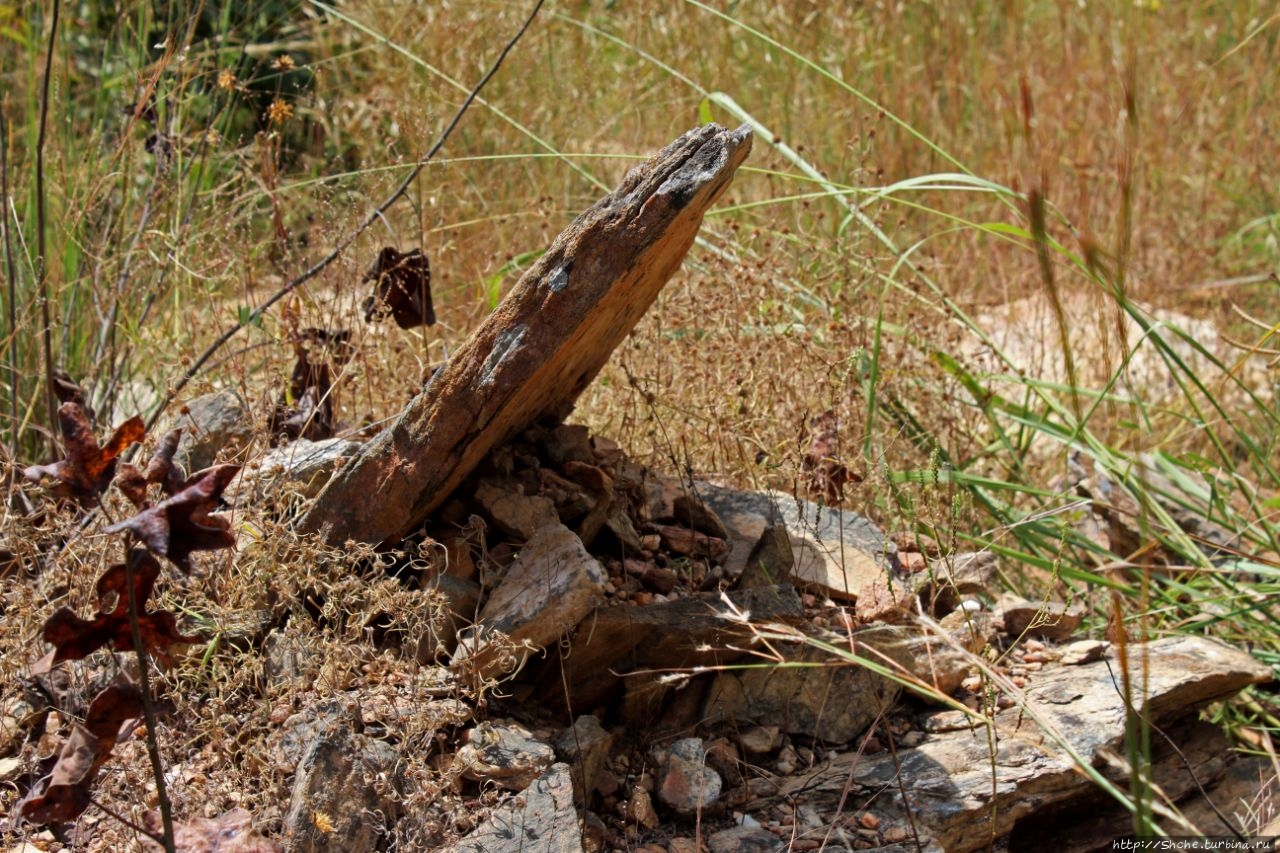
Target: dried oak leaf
[(184, 523), (230, 832), (74, 638), (827, 474), (307, 410), (67, 390), (88, 468), (402, 286), (133, 481), (64, 794)]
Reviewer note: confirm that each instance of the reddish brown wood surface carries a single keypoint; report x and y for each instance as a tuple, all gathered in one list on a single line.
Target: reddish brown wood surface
[(539, 350)]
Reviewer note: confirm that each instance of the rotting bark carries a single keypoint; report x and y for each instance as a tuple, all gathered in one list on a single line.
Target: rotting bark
[(541, 347)]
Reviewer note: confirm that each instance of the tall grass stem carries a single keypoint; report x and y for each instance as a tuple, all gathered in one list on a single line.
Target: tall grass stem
[(42, 269)]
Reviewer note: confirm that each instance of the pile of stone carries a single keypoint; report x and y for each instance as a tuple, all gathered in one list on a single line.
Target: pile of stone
[(752, 671)]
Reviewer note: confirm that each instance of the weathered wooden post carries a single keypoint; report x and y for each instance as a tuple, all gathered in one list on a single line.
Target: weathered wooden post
[(541, 347)]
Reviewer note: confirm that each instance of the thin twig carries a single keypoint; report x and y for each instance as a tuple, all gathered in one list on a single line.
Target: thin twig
[(148, 706), (13, 285), (112, 813), (343, 244), (41, 266)]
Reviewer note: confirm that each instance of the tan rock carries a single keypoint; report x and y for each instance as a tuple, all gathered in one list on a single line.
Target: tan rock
[(836, 551), (516, 514), (1048, 620), (552, 584)]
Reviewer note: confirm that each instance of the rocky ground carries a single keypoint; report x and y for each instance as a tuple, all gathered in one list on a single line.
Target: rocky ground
[(632, 661)]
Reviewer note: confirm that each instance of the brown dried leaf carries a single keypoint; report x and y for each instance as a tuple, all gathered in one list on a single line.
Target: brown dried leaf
[(307, 410), (402, 286), (64, 794), (67, 390), (88, 468), (230, 832), (74, 638), (132, 481), (827, 474), (183, 524)]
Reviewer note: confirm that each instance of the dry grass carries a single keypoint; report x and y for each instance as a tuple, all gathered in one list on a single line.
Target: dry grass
[(785, 310)]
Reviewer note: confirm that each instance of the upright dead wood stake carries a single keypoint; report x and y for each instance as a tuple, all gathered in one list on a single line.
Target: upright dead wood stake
[(539, 350)]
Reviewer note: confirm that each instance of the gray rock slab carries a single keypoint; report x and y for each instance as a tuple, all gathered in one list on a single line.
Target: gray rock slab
[(964, 791), (812, 694), (300, 468), (345, 796), (835, 550), (542, 819), (210, 423)]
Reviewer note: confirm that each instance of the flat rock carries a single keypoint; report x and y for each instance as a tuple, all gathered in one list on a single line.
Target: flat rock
[(209, 424), (687, 632), (300, 468), (1046, 620), (835, 550), (745, 839), (516, 514), (963, 793), (345, 795), (1083, 651), (1195, 758), (813, 695), (503, 752), (542, 819), (549, 588)]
